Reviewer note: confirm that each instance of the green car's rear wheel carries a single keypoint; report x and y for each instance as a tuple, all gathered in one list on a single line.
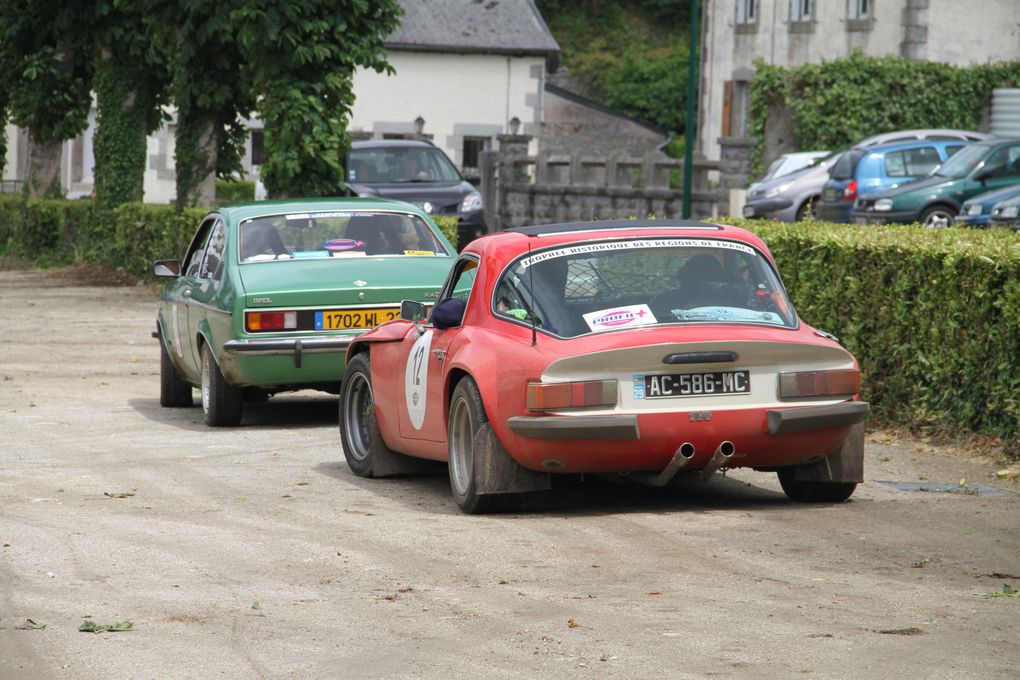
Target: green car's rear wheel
[(221, 401)]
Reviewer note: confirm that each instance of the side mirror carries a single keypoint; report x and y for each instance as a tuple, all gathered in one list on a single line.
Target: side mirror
[(412, 311), (982, 175), (167, 268)]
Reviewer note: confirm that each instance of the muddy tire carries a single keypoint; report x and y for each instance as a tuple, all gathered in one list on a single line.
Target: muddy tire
[(469, 439), (221, 401)]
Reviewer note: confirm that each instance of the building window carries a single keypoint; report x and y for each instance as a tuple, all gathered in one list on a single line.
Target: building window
[(860, 15), (258, 147), (747, 11), (472, 152), (801, 10), (858, 9)]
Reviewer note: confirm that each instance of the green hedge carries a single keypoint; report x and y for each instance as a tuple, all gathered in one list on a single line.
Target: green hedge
[(448, 225), (234, 191), (933, 316), (130, 237)]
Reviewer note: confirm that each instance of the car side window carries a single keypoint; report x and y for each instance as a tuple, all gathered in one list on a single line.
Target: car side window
[(196, 251), (1003, 162), (449, 309), (895, 164), (921, 161), (213, 259)]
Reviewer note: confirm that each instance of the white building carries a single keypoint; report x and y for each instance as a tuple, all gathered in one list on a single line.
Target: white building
[(465, 69), (797, 32)]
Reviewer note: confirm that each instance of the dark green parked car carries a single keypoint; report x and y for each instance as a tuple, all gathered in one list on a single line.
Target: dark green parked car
[(270, 294), (936, 199)]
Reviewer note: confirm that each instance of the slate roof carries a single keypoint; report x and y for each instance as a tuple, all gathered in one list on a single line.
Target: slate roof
[(472, 26)]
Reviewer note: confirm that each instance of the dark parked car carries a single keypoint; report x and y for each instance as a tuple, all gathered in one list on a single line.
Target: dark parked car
[(977, 211), (417, 172), (936, 200), (1006, 213), (861, 170)]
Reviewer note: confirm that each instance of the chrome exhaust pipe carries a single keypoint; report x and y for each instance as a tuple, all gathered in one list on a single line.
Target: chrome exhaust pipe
[(681, 458), (721, 455)]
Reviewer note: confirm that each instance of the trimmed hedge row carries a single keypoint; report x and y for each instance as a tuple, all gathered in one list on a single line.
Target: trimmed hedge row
[(933, 316), (130, 238)]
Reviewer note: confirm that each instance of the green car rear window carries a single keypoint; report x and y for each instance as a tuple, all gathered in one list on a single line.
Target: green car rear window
[(336, 234)]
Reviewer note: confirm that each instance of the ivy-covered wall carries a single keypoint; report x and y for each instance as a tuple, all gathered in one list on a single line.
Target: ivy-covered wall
[(837, 103)]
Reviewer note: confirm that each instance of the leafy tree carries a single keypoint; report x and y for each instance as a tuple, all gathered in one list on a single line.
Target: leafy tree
[(47, 78), (196, 40), (300, 60)]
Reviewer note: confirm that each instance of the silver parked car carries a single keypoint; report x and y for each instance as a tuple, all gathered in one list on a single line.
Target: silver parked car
[(792, 198)]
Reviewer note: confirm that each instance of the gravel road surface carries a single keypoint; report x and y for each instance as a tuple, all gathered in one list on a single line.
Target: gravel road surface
[(253, 552)]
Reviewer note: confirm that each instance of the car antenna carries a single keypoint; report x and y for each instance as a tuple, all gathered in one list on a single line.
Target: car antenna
[(531, 284)]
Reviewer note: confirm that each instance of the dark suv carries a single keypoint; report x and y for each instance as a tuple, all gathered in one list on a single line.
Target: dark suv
[(419, 173)]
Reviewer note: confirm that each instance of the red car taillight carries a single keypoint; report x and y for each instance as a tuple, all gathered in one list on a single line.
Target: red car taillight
[(819, 384), (850, 192), (270, 321), (555, 396)]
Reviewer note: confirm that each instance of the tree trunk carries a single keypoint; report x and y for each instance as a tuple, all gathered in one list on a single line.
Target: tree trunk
[(42, 177), (196, 155), (120, 146)]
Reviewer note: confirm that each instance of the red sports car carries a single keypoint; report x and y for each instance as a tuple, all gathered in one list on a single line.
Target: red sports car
[(651, 348)]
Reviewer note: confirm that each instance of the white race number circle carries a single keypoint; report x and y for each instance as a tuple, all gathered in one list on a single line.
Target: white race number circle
[(415, 379)]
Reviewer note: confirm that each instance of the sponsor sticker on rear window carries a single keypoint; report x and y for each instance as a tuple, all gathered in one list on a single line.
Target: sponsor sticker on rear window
[(619, 317)]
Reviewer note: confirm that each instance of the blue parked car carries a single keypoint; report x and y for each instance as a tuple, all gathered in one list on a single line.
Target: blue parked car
[(1006, 213), (862, 170), (977, 211)]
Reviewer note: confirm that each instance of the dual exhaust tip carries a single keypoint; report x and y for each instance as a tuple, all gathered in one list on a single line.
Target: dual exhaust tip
[(685, 454)]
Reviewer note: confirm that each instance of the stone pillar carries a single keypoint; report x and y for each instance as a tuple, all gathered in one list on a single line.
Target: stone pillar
[(508, 173), (735, 161)]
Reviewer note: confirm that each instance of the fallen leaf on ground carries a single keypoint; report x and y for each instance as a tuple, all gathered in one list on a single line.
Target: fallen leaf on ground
[(901, 631), (122, 494), (29, 624), (93, 627), (571, 623), (1007, 591)]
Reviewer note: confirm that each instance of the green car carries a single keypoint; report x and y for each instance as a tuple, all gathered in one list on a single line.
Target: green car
[(936, 199), (270, 294)]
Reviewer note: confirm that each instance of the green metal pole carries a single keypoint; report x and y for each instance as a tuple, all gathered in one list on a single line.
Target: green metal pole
[(691, 124)]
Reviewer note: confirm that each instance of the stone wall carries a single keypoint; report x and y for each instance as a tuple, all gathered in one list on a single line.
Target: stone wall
[(551, 188)]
